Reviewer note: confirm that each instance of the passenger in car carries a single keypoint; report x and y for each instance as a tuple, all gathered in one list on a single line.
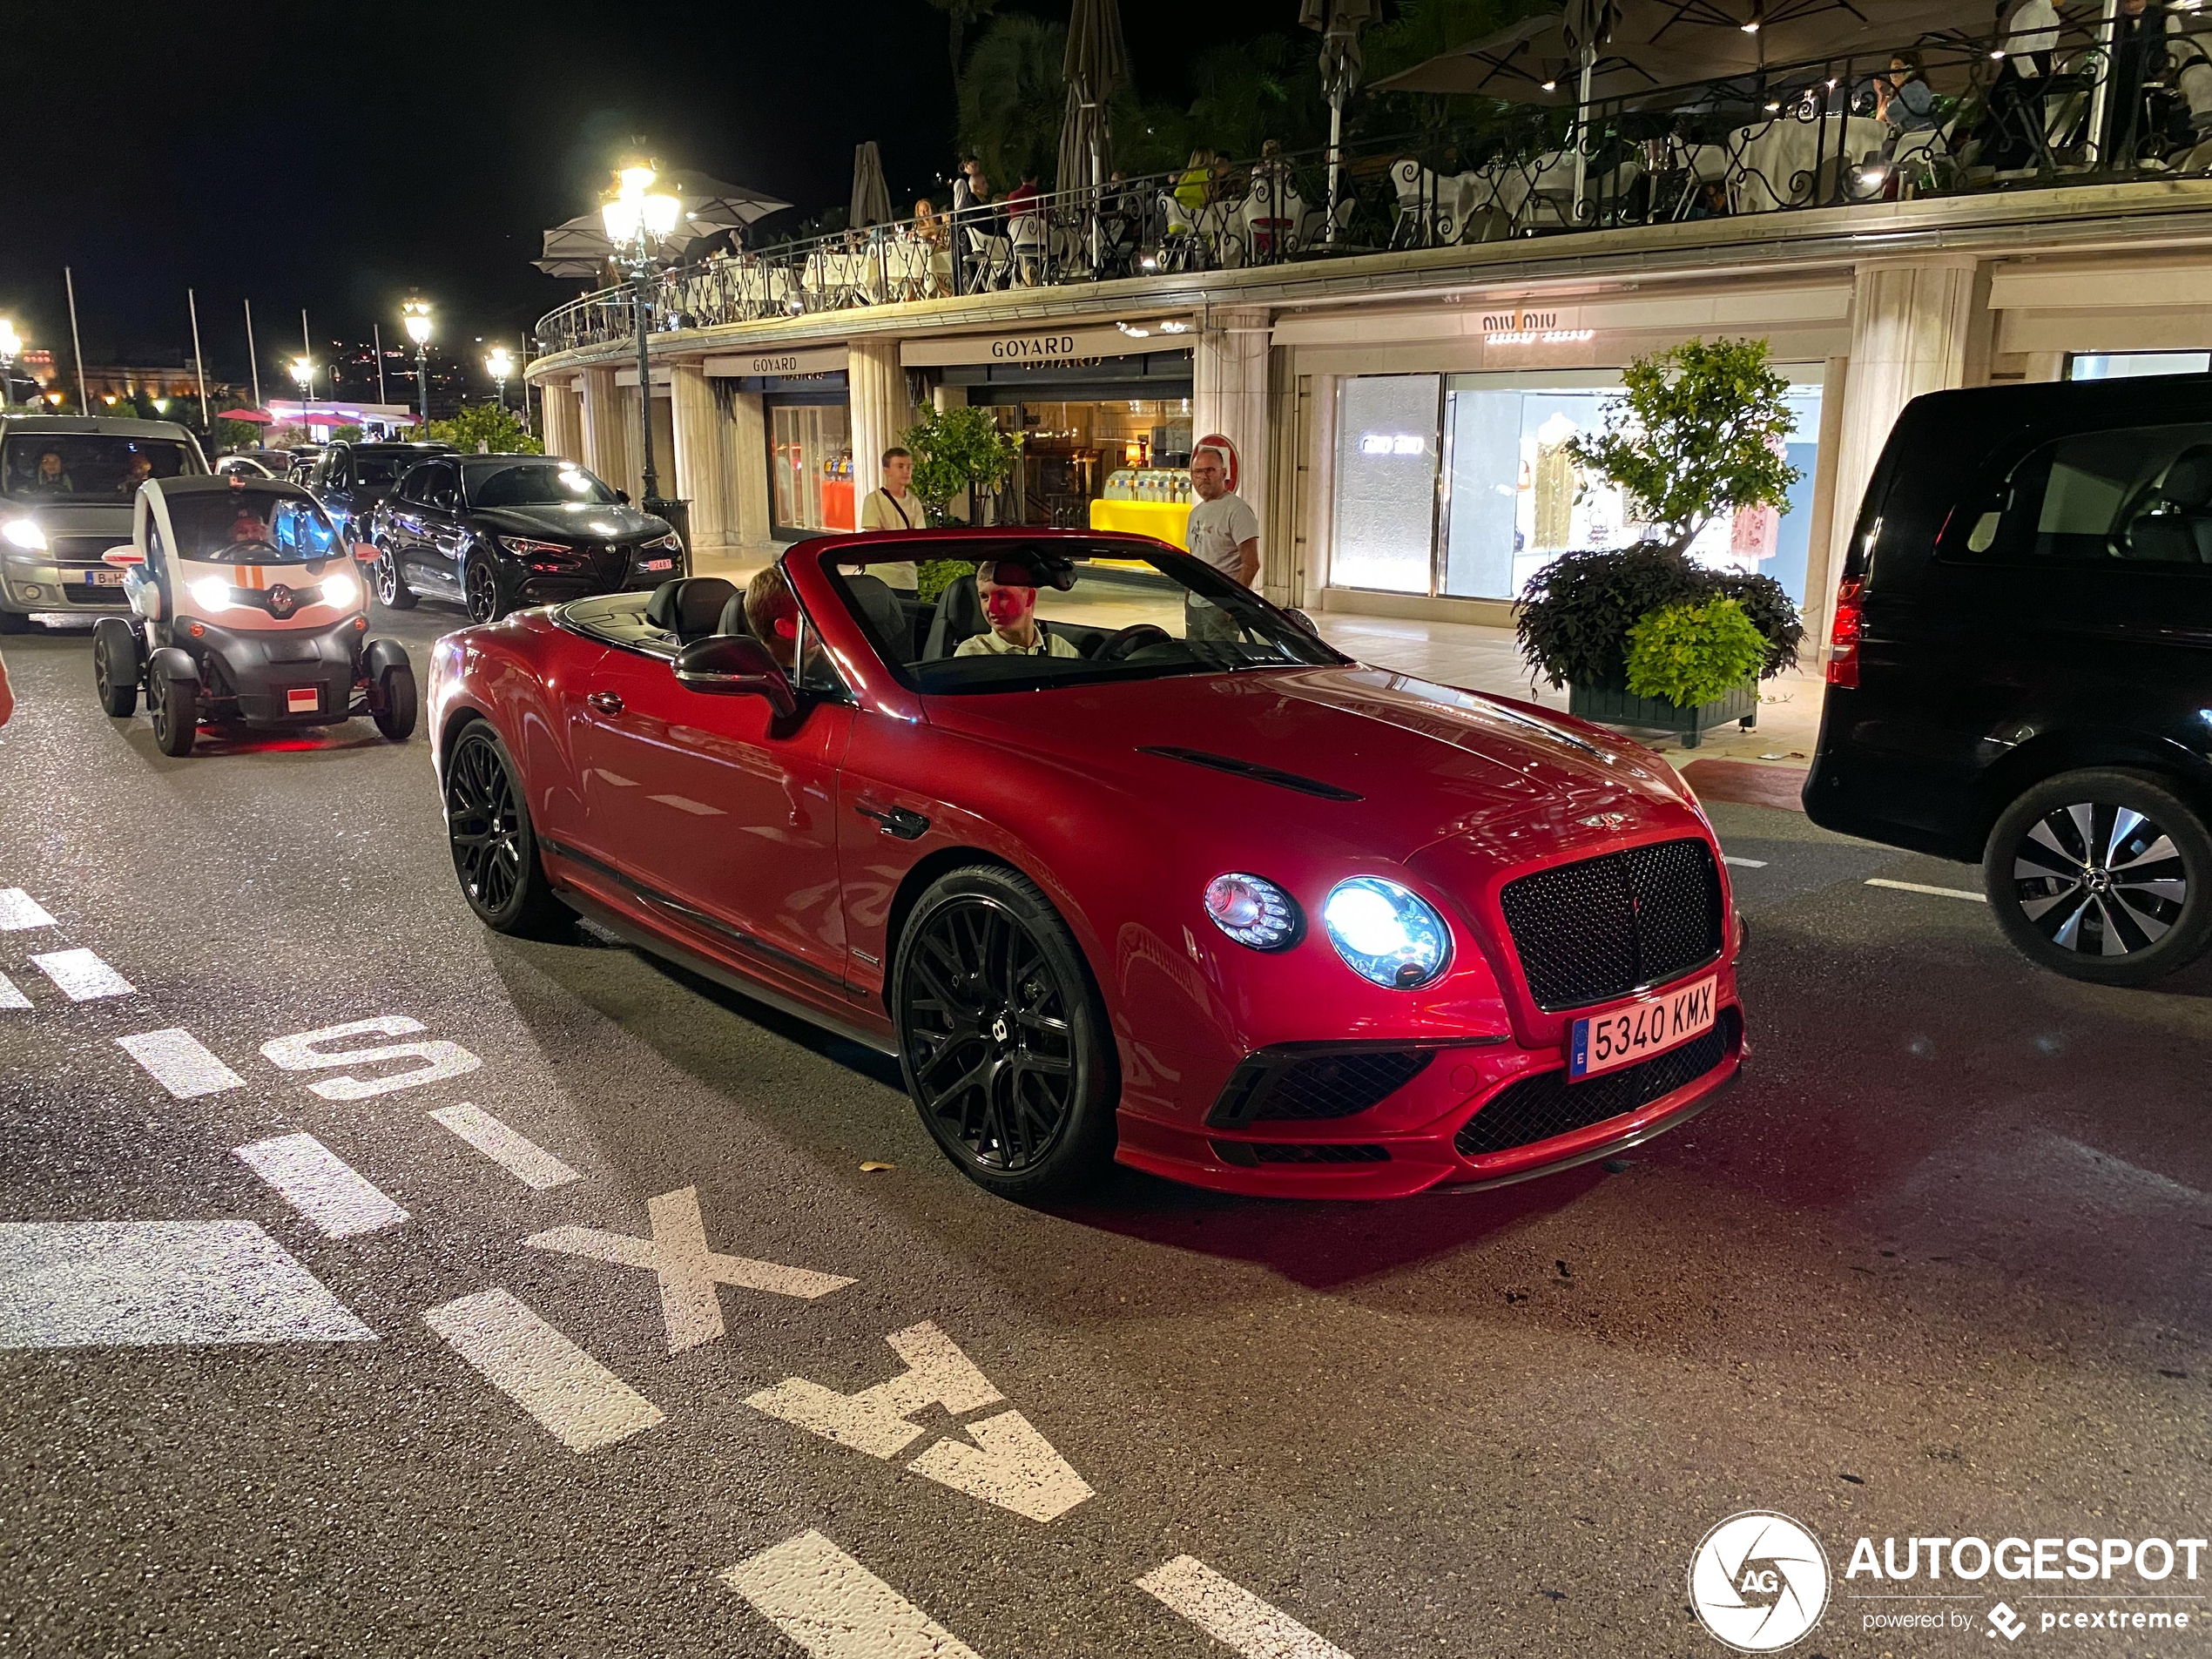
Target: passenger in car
[(1008, 592)]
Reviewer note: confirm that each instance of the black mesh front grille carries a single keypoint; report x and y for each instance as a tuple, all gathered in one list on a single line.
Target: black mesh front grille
[(1605, 926), (1538, 1108), (1288, 1085)]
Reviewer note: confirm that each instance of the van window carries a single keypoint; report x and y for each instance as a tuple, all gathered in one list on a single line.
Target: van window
[(2137, 495)]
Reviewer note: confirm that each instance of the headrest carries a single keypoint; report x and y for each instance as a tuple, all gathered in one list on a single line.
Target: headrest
[(733, 620), (2189, 477), (690, 607), (961, 606)]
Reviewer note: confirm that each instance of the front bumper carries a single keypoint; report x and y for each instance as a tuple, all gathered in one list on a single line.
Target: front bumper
[(53, 586), (253, 675)]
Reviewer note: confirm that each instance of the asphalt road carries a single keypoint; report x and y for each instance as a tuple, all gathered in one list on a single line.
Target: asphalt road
[(1936, 1266)]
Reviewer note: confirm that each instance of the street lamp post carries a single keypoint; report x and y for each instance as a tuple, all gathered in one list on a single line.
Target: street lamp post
[(417, 313), (303, 376), (499, 366), (638, 219), (11, 349)]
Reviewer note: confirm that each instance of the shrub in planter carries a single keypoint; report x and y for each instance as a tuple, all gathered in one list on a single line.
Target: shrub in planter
[(1576, 612), (1694, 653)]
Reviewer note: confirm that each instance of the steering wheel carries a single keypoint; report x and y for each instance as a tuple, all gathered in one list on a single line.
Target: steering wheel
[(1124, 642)]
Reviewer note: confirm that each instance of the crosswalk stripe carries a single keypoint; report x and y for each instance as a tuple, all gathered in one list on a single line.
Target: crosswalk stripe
[(19, 910), (1231, 1614), (320, 1185), (82, 976), (835, 1609), (574, 1398), (179, 1062), (525, 1160), (10, 996)]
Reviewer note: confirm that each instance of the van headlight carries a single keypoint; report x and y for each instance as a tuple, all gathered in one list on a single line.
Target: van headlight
[(1386, 932), (25, 534)]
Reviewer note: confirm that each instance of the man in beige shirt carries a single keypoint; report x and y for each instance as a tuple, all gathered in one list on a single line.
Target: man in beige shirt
[(1009, 595), (895, 507)]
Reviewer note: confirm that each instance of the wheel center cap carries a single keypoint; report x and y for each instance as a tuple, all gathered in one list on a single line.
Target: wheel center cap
[(2100, 880), (1001, 1032)]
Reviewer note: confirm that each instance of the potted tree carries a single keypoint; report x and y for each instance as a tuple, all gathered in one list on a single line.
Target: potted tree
[(961, 449), (1697, 432)]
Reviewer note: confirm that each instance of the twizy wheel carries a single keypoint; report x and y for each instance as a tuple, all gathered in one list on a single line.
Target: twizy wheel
[(2103, 875), (115, 667), (174, 704), (1002, 1038), (396, 703), (494, 852), (479, 588), (391, 591)]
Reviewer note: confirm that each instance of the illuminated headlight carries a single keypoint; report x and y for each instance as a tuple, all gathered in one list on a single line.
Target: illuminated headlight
[(212, 593), (26, 534), (1385, 932), (522, 547), (671, 541), (341, 590), (1252, 911)]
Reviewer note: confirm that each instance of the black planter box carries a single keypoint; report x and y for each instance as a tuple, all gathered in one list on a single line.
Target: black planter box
[(1617, 705)]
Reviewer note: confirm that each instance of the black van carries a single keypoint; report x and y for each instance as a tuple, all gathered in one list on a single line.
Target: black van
[(2020, 670)]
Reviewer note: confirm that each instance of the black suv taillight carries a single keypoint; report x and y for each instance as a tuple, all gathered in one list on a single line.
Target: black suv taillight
[(1844, 632)]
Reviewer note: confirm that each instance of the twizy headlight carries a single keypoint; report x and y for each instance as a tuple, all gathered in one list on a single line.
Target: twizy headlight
[(25, 534), (340, 588), (212, 593), (1386, 932), (1252, 911)]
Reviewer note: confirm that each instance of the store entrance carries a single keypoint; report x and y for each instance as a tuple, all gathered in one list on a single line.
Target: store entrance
[(1079, 452), (810, 466)]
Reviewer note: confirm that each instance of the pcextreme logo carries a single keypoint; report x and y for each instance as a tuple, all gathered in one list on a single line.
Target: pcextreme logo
[(1759, 1581)]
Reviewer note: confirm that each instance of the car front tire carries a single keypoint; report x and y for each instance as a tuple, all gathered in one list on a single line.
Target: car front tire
[(115, 667), (1002, 1038), (175, 706), (391, 591), (397, 703), (495, 850), (2103, 875), (481, 590)]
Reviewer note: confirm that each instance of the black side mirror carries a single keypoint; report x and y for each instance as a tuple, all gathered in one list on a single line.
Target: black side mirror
[(735, 666), (623, 496)]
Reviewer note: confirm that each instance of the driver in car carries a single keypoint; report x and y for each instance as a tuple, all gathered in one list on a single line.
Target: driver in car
[(1008, 592), (247, 530)]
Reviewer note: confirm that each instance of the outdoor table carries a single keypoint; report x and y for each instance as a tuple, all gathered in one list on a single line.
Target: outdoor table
[(1777, 160)]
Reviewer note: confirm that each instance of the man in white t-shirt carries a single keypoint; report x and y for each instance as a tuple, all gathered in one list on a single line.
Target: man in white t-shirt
[(895, 507), (1225, 532)]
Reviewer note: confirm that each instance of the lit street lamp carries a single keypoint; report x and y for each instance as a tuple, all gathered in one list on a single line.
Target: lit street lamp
[(417, 313), (499, 365), (638, 219), (11, 349)]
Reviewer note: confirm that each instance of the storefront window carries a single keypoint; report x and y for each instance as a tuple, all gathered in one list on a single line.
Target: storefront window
[(811, 461), (1075, 453), (1386, 482), (2112, 366)]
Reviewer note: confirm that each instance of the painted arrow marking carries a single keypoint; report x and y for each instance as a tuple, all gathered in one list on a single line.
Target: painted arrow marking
[(18, 911), (578, 1400), (689, 1272), (1231, 1614), (835, 1609), (1010, 1465)]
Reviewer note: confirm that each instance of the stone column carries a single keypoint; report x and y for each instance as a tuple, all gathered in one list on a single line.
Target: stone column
[(700, 476), (602, 428), (877, 387), (1229, 396), (563, 419), (749, 468)]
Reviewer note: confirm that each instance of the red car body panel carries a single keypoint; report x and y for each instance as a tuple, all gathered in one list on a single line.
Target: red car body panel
[(759, 850)]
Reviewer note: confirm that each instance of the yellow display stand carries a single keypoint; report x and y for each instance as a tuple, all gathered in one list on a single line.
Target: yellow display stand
[(1168, 520)]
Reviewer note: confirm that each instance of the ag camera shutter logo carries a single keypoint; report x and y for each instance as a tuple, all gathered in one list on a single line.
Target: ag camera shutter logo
[(1759, 1581)]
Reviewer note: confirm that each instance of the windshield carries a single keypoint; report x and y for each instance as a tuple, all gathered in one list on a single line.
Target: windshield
[(1006, 624), (87, 466), (536, 483), (250, 527)]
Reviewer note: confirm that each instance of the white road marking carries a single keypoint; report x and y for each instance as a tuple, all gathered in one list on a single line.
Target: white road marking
[(582, 1404), (302, 1052), (1231, 1614), (82, 976), (320, 1185), (102, 1283), (1747, 864), (688, 1270), (1010, 1465), (19, 910), (1940, 893), (525, 1160), (835, 1609), (10, 996), (176, 1060)]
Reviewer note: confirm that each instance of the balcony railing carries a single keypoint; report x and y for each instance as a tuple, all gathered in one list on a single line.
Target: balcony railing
[(1793, 138)]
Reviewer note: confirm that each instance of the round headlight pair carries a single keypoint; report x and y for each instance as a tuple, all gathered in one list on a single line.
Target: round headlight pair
[(1384, 932)]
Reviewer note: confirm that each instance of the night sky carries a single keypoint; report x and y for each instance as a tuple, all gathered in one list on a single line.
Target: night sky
[(342, 156)]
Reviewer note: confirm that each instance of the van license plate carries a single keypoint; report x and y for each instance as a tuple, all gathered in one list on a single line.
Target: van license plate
[(302, 700), (103, 578), (1620, 1036)]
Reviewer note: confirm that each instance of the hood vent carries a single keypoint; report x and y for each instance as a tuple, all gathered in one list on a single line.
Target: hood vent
[(1252, 770)]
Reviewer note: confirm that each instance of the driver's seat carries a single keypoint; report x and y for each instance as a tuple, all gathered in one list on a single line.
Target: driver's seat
[(690, 607), (959, 615)]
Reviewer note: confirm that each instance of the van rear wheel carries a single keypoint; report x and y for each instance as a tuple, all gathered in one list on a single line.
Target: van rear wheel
[(2104, 876)]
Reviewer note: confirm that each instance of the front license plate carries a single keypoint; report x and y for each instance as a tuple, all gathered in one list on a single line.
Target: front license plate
[(1620, 1036), (103, 578), (657, 564), (302, 700)]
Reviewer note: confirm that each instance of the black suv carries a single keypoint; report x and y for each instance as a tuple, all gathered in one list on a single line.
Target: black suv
[(2021, 670), (349, 479)]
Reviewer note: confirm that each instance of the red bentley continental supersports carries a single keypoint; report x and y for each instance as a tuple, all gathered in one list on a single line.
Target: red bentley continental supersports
[(1118, 860)]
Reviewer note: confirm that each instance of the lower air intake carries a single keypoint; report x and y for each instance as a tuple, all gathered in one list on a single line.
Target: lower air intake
[(1539, 1107)]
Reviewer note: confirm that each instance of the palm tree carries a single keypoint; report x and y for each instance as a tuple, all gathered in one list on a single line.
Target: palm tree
[(1012, 96), (959, 14)]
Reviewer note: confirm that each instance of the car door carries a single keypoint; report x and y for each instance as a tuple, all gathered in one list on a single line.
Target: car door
[(403, 519), (442, 537), (337, 491), (719, 815)]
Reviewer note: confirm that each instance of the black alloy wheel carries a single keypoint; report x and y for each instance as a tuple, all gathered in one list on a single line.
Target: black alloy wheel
[(2103, 875), (494, 853), (480, 588), (1002, 1038), (391, 591)]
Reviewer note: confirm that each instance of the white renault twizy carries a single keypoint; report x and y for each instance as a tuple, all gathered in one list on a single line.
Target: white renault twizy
[(245, 608)]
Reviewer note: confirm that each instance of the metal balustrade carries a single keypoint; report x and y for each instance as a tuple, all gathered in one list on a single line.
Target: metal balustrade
[(1792, 139)]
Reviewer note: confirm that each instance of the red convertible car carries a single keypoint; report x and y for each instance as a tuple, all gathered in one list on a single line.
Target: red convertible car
[(1120, 861)]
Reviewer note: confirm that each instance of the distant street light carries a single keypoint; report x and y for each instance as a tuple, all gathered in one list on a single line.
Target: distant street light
[(417, 314), (638, 219), (303, 375), (499, 365), (11, 349)]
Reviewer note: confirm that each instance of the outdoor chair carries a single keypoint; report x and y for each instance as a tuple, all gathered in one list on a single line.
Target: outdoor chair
[(1427, 210), (1027, 250), (990, 260), (1180, 248)]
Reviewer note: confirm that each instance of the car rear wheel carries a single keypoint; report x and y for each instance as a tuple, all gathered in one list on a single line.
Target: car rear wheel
[(1001, 1036), (495, 852), (174, 704), (115, 667), (479, 588), (391, 591), (396, 703), (2103, 875)]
